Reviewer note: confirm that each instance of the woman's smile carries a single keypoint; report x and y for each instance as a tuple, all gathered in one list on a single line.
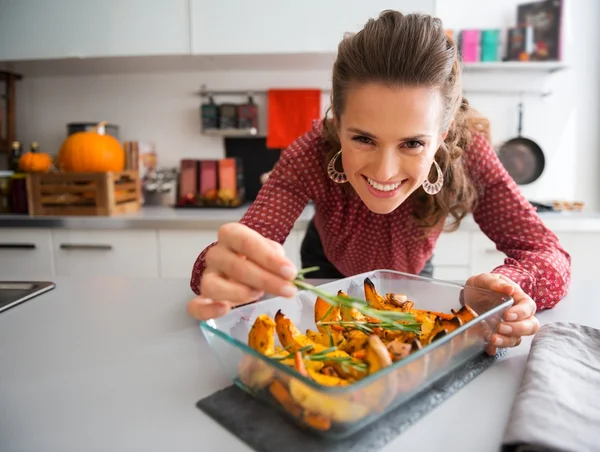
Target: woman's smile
[(384, 190)]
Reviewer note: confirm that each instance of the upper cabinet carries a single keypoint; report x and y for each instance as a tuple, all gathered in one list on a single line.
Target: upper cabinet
[(276, 26), (42, 29)]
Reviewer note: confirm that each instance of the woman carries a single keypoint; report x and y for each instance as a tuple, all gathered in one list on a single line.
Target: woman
[(393, 162)]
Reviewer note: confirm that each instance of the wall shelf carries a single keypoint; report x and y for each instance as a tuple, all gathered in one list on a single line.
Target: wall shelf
[(515, 66), (251, 132)]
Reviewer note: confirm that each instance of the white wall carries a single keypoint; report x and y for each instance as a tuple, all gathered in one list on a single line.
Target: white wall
[(160, 106)]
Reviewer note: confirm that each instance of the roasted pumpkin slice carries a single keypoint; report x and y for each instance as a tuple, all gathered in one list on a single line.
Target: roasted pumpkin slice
[(291, 338), (351, 314), (283, 396), (382, 391), (466, 314), (375, 300), (338, 408), (355, 340), (326, 312), (262, 335), (320, 338)]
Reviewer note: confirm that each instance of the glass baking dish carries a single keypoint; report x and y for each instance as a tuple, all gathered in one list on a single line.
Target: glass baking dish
[(340, 411)]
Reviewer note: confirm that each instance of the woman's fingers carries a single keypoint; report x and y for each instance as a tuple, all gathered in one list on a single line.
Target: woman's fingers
[(202, 308), (243, 278), (492, 282), (501, 341), (245, 241)]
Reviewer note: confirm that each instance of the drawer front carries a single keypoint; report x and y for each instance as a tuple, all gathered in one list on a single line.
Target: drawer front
[(458, 274), (25, 254), (179, 250), (132, 253), (484, 255), (452, 249)]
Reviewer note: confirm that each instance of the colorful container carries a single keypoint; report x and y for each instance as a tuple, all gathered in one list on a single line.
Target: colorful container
[(490, 45), (470, 45)]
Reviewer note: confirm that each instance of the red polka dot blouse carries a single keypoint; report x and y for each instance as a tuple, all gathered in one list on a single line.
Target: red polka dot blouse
[(356, 240)]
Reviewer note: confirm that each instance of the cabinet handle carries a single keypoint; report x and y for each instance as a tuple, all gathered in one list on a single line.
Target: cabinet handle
[(85, 246), (491, 251), (17, 246)]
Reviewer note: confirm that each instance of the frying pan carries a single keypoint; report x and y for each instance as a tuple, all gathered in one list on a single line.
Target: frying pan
[(523, 158)]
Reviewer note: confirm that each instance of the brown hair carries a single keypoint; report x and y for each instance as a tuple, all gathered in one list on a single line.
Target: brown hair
[(412, 50)]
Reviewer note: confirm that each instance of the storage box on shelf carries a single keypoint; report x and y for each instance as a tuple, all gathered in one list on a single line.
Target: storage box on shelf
[(90, 194)]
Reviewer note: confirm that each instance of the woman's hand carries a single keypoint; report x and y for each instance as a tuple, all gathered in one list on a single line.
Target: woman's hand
[(519, 319), (240, 268)]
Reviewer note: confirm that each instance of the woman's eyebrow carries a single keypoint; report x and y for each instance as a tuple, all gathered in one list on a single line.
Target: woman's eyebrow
[(370, 135)]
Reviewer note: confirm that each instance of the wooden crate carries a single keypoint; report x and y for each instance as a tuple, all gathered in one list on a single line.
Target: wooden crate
[(87, 194)]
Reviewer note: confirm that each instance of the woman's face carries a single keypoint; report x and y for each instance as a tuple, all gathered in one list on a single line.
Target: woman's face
[(389, 137)]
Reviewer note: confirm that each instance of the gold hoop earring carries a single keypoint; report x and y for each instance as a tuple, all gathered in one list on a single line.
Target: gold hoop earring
[(434, 188), (335, 175)]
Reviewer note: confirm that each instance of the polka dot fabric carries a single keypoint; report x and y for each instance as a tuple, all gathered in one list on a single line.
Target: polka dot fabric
[(357, 240)]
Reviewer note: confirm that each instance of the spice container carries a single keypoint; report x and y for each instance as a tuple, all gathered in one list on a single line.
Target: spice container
[(470, 45), (490, 45), (248, 115), (228, 116), (210, 115)]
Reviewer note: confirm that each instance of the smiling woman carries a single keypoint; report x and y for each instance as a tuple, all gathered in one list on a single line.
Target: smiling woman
[(386, 168)]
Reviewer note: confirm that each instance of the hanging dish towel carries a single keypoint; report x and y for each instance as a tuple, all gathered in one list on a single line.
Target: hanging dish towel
[(290, 114), (557, 408)]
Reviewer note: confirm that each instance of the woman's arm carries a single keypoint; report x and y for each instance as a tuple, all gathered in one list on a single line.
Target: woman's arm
[(535, 259), (281, 199)]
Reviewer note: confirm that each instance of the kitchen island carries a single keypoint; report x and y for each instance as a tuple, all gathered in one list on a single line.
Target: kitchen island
[(115, 364)]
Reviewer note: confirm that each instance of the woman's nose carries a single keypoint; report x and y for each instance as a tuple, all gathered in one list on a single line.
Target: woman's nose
[(386, 166)]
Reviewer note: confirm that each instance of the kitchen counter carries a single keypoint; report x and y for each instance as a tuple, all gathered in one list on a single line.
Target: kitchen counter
[(116, 364), (203, 219)]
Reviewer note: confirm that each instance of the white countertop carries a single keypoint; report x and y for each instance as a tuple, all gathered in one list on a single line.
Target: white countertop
[(113, 364), (198, 219)]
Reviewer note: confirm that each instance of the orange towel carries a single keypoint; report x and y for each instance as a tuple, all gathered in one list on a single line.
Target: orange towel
[(290, 114)]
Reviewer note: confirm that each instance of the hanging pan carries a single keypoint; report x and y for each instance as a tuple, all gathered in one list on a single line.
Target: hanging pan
[(523, 158)]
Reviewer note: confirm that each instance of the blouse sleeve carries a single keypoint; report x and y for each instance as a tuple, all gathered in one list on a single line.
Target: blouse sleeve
[(535, 258), (281, 199)]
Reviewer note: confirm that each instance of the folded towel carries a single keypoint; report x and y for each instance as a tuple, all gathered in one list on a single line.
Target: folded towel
[(290, 114), (557, 407)]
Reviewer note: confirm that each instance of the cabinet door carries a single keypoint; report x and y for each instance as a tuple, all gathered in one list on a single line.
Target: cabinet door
[(582, 246), (178, 250), (38, 29), (275, 26), (484, 255), (25, 254), (130, 253)]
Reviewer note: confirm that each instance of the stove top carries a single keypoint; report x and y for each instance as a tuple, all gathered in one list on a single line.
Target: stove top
[(13, 293)]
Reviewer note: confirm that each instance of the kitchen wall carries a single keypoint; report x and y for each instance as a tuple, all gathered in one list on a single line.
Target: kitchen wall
[(156, 102)]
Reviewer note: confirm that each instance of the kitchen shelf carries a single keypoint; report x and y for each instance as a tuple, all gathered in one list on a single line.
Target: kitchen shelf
[(231, 132), (515, 66)]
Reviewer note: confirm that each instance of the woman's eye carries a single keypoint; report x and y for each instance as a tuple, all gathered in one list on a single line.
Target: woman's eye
[(362, 139), (414, 144)]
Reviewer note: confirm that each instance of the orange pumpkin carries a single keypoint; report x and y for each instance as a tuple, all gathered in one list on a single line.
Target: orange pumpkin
[(91, 152), (35, 162)]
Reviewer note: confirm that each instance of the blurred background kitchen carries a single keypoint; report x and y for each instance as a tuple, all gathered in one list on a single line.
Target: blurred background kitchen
[(202, 96)]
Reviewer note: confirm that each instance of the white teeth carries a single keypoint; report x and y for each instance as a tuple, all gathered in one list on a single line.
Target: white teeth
[(383, 187)]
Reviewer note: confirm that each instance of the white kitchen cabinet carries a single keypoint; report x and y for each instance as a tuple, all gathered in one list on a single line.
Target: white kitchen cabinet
[(41, 29), (452, 249), (25, 254), (275, 26), (484, 255), (132, 253), (178, 250), (454, 273), (583, 248)]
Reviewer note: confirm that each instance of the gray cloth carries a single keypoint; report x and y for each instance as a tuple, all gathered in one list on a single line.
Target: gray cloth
[(557, 407), (263, 429)]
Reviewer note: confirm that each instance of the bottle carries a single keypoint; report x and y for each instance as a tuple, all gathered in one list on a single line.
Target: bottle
[(15, 155), (210, 115), (248, 114)]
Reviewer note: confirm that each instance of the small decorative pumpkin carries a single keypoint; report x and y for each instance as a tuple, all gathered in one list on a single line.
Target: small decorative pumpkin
[(35, 162), (91, 151)]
